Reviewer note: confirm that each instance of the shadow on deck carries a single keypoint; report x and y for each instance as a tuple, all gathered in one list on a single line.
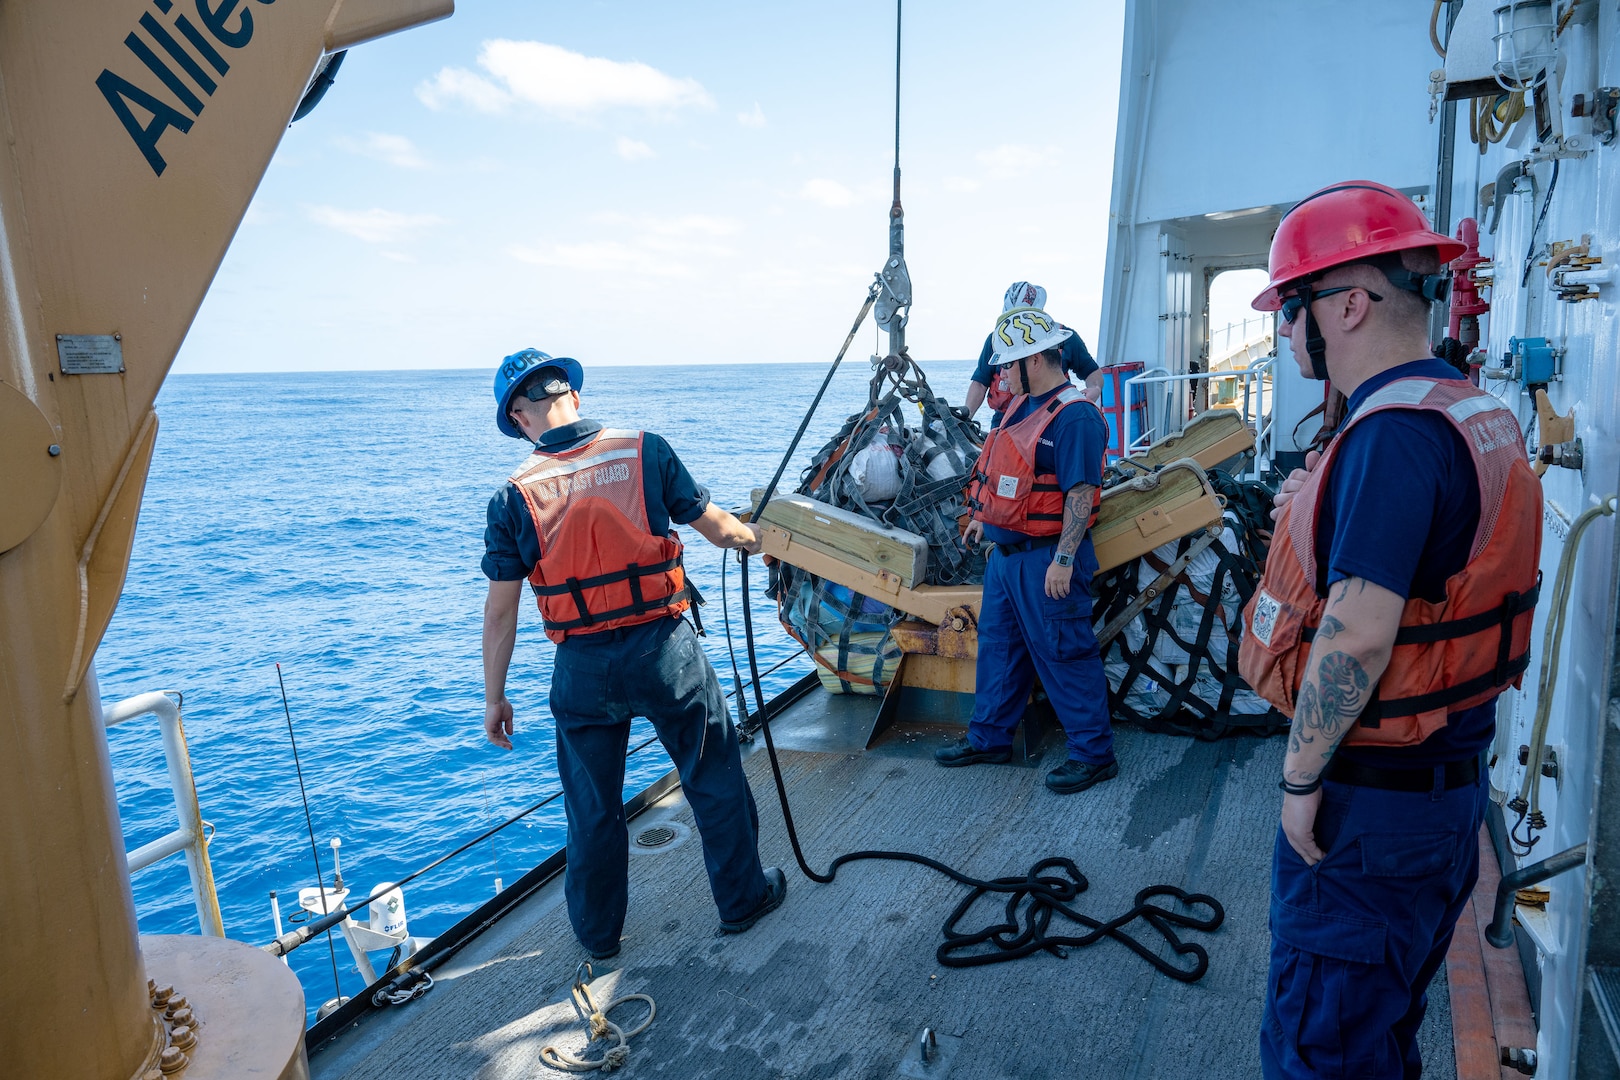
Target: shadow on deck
[(841, 980)]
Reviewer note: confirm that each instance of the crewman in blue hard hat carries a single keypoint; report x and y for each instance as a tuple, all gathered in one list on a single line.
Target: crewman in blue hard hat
[(985, 384), (1034, 493), (586, 520)]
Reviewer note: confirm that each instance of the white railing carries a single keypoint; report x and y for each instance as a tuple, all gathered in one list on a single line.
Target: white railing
[(192, 834), (1255, 407), (1225, 339)]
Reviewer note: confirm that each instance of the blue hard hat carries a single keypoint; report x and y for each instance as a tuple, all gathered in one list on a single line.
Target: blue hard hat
[(519, 366)]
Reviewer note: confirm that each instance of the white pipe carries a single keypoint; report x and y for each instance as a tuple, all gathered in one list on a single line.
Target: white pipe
[(275, 919), (189, 837)]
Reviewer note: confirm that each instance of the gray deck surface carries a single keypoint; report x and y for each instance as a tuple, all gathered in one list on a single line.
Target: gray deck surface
[(840, 981)]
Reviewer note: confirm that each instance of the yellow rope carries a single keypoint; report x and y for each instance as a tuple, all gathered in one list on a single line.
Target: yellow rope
[(600, 1028)]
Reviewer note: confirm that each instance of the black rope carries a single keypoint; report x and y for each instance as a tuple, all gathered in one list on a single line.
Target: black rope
[(1530, 252)]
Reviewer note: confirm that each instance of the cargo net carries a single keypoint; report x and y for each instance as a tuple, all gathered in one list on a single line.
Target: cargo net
[(902, 461), (1174, 667)]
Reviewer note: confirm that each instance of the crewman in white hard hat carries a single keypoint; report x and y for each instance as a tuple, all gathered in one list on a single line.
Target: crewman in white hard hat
[(985, 383), (1034, 493)]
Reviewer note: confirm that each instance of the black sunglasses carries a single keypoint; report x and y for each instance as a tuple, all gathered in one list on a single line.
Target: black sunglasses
[(1293, 305), (539, 389)]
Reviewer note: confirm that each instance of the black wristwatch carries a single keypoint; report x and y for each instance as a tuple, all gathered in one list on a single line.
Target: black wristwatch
[(1063, 560)]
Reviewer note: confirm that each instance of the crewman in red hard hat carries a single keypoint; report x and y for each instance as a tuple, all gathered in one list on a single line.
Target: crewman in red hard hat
[(1395, 606)]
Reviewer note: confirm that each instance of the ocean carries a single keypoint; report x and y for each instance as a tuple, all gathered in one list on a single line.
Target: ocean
[(333, 523)]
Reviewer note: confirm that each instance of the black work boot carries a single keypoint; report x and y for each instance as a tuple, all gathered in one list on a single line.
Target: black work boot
[(1073, 776), (961, 752), (775, 893)]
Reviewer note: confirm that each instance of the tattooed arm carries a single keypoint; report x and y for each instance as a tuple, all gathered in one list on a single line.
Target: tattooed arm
[(1347, 659), (1076, 514)]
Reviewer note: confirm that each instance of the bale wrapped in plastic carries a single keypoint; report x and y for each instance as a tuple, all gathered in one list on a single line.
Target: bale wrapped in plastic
[(847, 634), (936, 449), (1174, 666)]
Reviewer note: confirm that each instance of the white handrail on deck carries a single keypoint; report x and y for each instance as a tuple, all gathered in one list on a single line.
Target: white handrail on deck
[(1252, 377), (191, 836)]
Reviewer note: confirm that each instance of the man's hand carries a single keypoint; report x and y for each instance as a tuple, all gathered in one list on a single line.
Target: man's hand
[(974, 533), (1299, 825), (751, 546), (1058, 579), (498, 723), (1295, 481)]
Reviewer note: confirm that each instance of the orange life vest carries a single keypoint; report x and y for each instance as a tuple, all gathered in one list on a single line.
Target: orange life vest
[(1448, 656), (1005, 490), (600, 567)]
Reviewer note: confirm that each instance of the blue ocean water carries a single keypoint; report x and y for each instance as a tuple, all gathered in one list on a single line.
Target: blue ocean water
[(333, 523)]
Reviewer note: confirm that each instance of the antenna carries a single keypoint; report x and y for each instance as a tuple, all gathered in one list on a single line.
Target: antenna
[(314, 849)]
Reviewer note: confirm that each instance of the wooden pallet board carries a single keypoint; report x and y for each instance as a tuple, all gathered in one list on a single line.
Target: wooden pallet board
[(1209, 439), (848, 537), (1141, 514)]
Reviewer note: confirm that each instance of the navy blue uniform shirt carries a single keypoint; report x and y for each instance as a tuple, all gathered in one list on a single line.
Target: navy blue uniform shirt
[(1071, 447), (1076, 358), (511, 545), (1401, 509)]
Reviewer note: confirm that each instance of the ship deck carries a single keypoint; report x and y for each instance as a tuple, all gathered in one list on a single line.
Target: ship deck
[(842, 979)]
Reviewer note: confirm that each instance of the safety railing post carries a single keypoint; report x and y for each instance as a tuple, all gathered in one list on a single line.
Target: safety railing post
[(191, 836)]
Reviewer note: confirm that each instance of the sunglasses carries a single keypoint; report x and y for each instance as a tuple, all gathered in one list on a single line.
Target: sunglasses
[(1293, 305), (541, 389)]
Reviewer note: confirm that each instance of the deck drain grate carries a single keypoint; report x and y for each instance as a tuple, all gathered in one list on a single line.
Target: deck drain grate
[(657, 836)]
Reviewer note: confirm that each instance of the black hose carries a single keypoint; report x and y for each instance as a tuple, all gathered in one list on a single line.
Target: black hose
[(1025, 929)]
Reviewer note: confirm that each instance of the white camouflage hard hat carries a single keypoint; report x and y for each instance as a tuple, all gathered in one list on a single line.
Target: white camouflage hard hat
[(1025, 331), (1023, 294)]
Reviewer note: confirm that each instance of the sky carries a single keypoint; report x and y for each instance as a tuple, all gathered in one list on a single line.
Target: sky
[(637, 182)]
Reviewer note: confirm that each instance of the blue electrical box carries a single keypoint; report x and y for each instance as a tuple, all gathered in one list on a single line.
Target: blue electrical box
[(1536, 360)]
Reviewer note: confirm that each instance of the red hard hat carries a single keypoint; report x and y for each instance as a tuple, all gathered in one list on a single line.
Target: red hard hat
[(1344, 223)]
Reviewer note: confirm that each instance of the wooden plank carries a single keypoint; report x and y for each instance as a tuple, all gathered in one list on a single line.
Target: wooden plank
[(931, 602), (1472, 1031), (1209, 439), (850, 537)]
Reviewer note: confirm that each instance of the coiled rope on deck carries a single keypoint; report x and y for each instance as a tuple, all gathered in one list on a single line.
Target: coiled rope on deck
[(599, 1027)]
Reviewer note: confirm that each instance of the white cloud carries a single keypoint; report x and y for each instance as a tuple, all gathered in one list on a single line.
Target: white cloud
[(560, 82), (602, 256), (634, 149), (394, 149), (754, 119), (685, 225), (827, 193), (374, 226), (1012, 160), (961, 185), (452, 85), (652, 247)]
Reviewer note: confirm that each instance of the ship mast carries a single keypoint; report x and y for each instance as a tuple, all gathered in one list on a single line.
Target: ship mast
[(893, 308)]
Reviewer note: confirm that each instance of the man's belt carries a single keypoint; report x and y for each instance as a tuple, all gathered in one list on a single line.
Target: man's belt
[(1027, 545), (1457, 774)]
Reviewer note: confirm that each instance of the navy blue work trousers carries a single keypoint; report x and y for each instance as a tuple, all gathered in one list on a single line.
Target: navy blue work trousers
[(1356, 938), (601, 681), (1022, 633)]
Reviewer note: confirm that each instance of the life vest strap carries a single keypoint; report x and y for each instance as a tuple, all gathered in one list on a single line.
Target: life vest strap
[(1378, 709), (631, 573), (1514, 605)]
